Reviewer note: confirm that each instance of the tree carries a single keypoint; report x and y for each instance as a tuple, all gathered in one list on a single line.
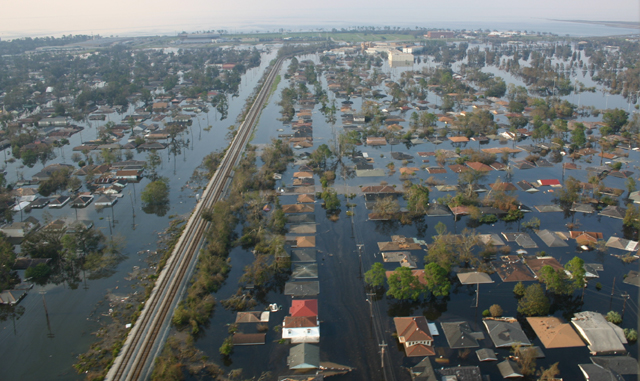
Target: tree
[(631, 185), (534, 301), (570, 192), (39, 272), (632, 217), (615, 119), (107, 156), (7, 259), (526, 359), (376, 276), (29, 158), (496, 310), (437, 279), (386, 206), (331, 201), (576, 268), (417, 198), (497, 88), (578, 136), (404, 285), (153, 161), (155, 197), (448, 250), (550, 373), (471, 177), (43, 244), (519, 289), (320, 156), (555, 280)]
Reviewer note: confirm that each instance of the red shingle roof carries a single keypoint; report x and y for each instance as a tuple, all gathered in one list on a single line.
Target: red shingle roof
[(413, 328), (306, 307)]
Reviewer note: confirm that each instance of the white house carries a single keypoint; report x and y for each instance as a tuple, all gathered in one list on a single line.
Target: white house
[(301, 329)]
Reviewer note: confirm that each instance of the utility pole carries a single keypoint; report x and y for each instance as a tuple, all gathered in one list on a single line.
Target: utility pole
[(360, 246), (613, 288), (46, 312), (382, 346), (625, 295), (370, 295)]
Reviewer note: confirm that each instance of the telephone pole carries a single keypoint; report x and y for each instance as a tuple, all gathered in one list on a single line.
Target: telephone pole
[(625, 295)]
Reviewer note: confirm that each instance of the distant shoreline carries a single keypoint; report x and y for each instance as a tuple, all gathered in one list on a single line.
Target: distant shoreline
[(613, 24)]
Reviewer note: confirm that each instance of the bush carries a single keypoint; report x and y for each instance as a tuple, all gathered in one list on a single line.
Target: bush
[(486, 313), (631, 335), (496, 310), (598, 286), (488, 219), (614, 317), (227, 346), (513, 215)]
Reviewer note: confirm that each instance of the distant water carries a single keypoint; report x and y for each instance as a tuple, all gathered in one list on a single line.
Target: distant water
[(234, 24)]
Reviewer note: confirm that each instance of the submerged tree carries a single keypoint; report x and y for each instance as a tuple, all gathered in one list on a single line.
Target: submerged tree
[(437, 280), (376, 276), (534, 302), (404, 285), (155, 197), (417, 198)]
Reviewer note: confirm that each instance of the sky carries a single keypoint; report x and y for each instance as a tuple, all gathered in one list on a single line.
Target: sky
[(126, 17)]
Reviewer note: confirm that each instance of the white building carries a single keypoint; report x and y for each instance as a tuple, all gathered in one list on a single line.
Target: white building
[(301, 329)]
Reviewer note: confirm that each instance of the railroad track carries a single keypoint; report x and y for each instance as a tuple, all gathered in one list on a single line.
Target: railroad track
[(135, 358)]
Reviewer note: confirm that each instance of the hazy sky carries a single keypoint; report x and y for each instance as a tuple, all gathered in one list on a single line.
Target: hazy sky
[(123, 17)]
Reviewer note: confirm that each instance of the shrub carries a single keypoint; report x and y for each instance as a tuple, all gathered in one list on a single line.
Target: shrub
[(488, 219), (614, 317), (631, 334), (227, 346), (486, 313)]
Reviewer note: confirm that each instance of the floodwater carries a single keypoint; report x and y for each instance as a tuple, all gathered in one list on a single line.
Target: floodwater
[(71, 311), (347, 328)]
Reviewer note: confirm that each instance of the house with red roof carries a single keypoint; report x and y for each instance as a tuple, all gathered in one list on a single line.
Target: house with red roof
[(413, 332), (304, 307)]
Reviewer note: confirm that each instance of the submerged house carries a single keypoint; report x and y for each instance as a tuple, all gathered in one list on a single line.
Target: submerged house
[(505, 332), (602, 336), (459, 335), (304, 307), (301, 329), (304, 356), (413, 332), (554, 333)]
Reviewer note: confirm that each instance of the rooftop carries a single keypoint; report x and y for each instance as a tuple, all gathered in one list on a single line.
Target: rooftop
[(554, 333)]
